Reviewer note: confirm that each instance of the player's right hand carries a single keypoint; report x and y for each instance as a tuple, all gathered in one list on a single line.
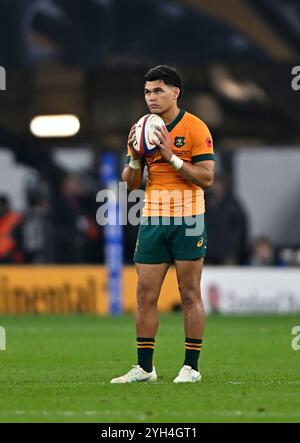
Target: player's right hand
[(130, 140)]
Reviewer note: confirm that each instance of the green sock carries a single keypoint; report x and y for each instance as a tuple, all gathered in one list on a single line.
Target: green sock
[(193, 347), (145, 349)]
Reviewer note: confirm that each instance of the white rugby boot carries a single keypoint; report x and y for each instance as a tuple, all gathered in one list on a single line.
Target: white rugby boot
[(137, 374), (187, 375)]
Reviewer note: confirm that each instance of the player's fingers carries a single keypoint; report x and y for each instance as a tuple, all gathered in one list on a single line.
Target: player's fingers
[(158, 143), (160, 135), (131, 135), (164, 129), (166, 132), (131, 131)]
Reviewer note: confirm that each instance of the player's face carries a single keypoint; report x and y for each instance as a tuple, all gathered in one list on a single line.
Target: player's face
[(159, 96)]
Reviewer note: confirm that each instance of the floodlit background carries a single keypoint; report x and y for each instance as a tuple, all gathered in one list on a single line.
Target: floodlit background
[(74, 86), (71, 86)]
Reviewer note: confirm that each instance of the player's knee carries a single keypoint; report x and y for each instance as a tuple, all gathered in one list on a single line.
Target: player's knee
[(189, 294), (145, 295)]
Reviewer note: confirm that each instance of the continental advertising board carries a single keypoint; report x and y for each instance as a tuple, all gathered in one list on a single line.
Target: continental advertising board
[(84, 289), (71, 289)]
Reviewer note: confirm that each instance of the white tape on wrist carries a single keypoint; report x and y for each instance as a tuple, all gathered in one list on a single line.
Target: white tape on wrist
[(134, 164), (176, 162)]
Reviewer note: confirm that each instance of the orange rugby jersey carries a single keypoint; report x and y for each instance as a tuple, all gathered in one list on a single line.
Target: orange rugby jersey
[(167, 192)]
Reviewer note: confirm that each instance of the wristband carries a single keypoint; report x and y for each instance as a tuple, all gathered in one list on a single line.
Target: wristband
[(176, 162), (134, 164)]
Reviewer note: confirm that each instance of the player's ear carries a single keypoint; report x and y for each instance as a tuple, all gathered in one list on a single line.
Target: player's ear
[(176, 92)]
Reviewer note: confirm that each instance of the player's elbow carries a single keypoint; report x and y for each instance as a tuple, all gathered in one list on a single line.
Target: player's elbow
[(133, 183), (124, 176), (133, 186), (205, 176), (205, 184)]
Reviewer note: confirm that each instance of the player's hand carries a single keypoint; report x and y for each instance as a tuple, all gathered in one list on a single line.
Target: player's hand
[(165, 143), (130, 140)]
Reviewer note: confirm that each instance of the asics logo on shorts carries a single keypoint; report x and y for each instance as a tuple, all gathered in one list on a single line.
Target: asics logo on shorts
[(200, 242)]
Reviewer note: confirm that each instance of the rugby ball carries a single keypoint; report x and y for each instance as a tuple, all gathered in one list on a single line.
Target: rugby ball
[(144, 134)]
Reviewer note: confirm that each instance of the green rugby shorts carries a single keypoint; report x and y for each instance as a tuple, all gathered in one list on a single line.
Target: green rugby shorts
[(163, 239)]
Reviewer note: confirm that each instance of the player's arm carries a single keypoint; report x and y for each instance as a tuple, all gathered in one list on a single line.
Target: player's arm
[(200, 173), (132, 173)]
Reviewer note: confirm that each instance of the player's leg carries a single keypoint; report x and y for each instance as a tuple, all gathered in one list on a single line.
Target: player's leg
[(189, 277), (152, 260), (150, 280), (187, 244)]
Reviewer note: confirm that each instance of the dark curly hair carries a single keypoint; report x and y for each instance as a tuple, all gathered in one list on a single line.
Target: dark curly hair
[(167, 74)]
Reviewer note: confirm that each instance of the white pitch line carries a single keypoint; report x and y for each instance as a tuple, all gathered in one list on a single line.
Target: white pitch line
[(72, 413), (262, 382), (68, 413)]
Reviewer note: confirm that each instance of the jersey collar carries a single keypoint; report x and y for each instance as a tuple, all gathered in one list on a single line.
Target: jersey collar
[(176, 120)]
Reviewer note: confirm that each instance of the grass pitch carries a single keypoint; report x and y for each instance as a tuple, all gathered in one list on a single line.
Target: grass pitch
[(57, 369)]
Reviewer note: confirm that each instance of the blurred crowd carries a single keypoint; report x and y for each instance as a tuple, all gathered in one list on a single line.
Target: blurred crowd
[(229, 241), (61, 227), (57, 227)]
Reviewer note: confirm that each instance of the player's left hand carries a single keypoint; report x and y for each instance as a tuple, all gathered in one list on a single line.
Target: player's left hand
[(165, 143)]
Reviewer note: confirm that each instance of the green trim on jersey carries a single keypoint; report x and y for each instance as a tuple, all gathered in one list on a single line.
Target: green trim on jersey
[(176, 120), (202, 157)]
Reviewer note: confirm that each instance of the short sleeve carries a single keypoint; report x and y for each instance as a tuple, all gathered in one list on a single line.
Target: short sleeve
[(202, 142)]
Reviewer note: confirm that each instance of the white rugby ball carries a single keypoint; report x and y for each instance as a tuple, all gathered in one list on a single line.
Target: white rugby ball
[(144, 134)]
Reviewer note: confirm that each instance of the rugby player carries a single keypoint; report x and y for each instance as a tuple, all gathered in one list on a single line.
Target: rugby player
[(177, 176)]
